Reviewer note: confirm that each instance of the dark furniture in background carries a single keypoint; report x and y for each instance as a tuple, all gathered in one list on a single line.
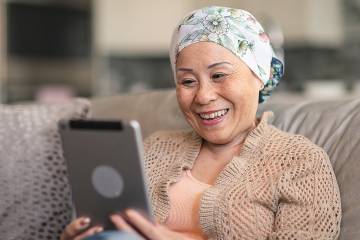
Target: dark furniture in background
[(49, 43)]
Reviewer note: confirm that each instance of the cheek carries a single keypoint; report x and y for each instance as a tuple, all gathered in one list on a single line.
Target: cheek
[(184, 99), (244, 97)]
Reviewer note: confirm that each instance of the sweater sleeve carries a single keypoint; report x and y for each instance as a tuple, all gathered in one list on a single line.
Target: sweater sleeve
[(309, 200), (151, 152)]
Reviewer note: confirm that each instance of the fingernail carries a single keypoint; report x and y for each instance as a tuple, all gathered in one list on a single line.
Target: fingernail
[(129, 212), (85, 221), (99, 229), (115, 215)]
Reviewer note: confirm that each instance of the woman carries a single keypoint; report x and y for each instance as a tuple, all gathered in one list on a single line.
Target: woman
[(233, 176)]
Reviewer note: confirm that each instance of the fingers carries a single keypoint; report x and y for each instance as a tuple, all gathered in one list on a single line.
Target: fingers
[(89, 232), (144, 225), (76, 229), (150, 230), (121, 224)]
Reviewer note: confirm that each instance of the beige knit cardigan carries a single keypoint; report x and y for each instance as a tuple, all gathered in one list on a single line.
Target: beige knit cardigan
[(281, 186)]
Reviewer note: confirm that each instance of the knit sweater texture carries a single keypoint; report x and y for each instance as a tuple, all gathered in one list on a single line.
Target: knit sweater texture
[(280, 186)]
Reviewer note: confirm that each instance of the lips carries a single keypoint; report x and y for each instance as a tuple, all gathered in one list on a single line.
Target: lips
[(213, 117)]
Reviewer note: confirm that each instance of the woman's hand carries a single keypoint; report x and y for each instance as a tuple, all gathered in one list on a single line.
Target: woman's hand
[(153, 231), (78, 229)]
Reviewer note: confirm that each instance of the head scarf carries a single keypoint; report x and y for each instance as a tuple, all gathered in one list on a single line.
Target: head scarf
[(237, 31)]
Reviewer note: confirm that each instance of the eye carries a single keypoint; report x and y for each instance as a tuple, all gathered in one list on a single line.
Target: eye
[(188, 82), (218, 76)]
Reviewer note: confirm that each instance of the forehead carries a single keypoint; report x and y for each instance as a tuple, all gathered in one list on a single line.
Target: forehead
[(206, 53), (207, 48)]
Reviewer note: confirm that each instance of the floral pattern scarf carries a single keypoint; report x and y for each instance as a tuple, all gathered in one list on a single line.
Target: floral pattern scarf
[(239, 32)]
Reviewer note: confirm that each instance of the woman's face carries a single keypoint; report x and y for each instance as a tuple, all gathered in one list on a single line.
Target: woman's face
[(217, 92)]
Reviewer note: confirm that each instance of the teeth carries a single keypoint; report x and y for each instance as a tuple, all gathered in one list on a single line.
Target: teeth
[(214, 114)]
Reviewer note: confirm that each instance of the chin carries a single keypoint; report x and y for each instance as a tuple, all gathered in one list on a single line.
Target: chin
[(216, 137)]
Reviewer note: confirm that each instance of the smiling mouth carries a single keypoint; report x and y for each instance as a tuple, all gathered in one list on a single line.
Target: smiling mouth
[(213, 115)]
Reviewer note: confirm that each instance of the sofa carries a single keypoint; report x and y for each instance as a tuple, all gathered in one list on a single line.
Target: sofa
[(330, 124)]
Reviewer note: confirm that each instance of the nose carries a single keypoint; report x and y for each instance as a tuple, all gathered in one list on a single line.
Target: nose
[(206, 93)]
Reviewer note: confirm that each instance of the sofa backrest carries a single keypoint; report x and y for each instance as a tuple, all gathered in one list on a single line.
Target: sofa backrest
[(332, 125), (155, 110)]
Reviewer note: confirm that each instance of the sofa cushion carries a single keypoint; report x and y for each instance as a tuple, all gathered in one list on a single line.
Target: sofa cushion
[(35, 197)]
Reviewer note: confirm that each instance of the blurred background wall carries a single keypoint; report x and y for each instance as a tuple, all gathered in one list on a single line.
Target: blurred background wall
[(56, 49)]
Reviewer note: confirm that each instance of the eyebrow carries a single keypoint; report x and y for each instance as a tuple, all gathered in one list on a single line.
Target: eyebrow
[(184, 69), (210, 66), (216, 64)]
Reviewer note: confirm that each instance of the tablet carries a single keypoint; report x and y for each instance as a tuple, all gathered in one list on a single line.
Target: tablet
[(105, 166)]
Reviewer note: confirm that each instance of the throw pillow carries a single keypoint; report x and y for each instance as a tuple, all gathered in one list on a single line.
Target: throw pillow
[(35, 195)]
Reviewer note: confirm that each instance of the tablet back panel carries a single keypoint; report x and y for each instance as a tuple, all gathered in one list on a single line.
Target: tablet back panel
[(105, 165)]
